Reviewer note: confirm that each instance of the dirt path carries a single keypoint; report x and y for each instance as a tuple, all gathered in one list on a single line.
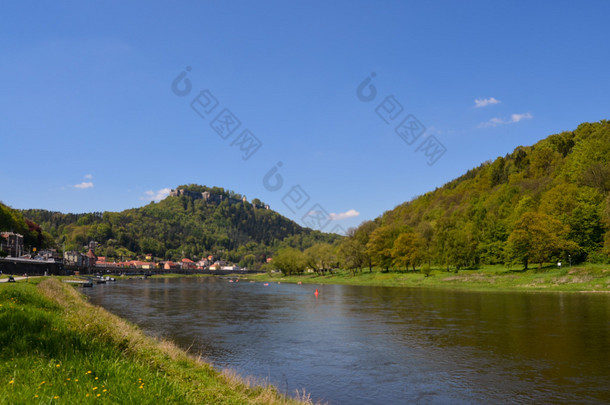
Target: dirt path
[(17, 278)]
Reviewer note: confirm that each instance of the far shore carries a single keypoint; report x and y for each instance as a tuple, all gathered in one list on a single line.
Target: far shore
[(584, 278)]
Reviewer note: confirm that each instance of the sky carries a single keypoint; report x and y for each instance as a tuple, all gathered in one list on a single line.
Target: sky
[(330, 112)]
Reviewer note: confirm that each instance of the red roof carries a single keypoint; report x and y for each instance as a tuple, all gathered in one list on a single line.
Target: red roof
[(187, 261)]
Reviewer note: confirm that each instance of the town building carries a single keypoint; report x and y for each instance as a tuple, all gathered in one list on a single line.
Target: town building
[(49, 255), (188, 264), (77, 259), (169, 265), (12, 244)]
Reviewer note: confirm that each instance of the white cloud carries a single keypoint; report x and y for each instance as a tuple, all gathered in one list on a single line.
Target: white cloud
[(482, 102), (494, 122), (156, 195), (344, 215), (84, 184), (88, 176), (519, 117)]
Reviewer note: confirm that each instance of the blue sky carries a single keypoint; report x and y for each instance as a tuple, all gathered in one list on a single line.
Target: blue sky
[(89, 120)]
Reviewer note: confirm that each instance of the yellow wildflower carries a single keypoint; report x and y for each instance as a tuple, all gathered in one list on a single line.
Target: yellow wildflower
[(11, 382), (94, 388)]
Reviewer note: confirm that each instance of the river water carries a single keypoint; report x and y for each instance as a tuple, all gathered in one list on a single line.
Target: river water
[(383, 345)]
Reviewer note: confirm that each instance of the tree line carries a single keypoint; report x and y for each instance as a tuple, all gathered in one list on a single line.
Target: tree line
[(543, 203)]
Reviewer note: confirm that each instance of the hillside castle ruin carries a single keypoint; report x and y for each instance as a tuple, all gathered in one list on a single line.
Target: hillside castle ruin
[(211, 197)]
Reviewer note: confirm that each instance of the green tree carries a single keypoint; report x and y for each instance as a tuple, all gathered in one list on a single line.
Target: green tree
[(425, 230), (462, 247), (606, 222), (442, 229), (498, 173), (352, 254), (290, 261), (408, 250), (538, 238), (248, 261), (380, 245), (362, 236), (581, 209), (321, 257)]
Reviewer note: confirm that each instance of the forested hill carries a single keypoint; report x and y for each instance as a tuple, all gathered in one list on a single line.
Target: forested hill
[(198, 222), (538, 204)]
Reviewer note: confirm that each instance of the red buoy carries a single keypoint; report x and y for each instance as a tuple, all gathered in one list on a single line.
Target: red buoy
[(316, 293)]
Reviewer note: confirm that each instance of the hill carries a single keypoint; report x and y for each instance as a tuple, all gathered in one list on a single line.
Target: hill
[(194, 222), (543, 203)]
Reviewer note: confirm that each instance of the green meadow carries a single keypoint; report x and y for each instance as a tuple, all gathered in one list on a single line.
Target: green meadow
[(581, 278)]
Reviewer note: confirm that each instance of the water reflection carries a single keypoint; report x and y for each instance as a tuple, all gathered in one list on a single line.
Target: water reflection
[(383, 345)]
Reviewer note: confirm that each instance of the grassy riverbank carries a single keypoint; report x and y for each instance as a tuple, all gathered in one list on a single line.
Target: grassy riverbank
[(588, 277), (57, 348)]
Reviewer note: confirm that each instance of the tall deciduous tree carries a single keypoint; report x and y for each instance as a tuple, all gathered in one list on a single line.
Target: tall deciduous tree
[(537, 238), (362, 236), (352, 254), (380, 245), (289, 261), (321, 257), (408, 250), (462, 246)]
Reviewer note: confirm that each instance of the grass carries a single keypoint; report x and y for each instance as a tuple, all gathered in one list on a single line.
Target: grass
[(582, 278), (57, 348)]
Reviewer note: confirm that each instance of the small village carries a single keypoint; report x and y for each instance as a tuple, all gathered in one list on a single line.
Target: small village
[(13, 244)]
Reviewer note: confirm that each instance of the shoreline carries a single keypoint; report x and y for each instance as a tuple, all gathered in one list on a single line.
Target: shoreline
[(587, 278), (59, 347)]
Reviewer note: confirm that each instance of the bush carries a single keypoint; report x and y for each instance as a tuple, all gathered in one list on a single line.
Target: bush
[(598, 257)]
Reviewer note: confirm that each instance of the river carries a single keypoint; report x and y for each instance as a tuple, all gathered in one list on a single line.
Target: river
[(383, 345)]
